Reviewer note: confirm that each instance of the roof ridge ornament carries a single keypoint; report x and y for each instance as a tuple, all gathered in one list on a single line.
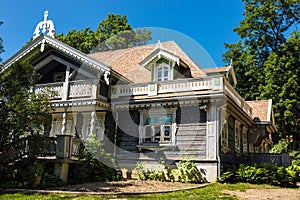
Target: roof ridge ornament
[(159, 45), (44, 27)]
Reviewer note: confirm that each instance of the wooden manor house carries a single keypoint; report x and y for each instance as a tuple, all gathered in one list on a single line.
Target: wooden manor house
[(146, 104)]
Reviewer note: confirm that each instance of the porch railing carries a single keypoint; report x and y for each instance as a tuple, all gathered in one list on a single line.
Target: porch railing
[(55, 90), (38, 146), (69, 90), (278, 159)]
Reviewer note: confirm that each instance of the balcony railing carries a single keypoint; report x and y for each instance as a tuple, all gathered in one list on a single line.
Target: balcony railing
[(80, 88), (155, 88), (54, 89), (70, 90)]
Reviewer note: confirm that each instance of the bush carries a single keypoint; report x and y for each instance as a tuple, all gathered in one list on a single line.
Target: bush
[(96, 165), (186, 171), (266, 174)]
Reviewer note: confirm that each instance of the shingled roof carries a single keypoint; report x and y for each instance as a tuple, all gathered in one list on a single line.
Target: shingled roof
[(127, 61), (261, 110)]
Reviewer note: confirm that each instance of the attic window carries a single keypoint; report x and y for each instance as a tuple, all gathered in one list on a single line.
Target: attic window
[(59, 77), (162, 73)]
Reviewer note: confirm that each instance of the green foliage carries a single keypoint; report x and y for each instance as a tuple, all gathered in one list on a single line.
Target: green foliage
[(82, 40), (96, 164), (50, 181), (266, 174), (266, 65), (112, 33), (36, 168), (282, 77), (280, 147), (22, 113), (186, 172), (112, 25)]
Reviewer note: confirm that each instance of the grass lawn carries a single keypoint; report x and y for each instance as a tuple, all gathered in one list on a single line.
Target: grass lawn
[(212, 191)]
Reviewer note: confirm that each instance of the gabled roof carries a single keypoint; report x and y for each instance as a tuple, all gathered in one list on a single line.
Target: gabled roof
[(261, 110), (127, 61), (222, 70), (157, 54), (71, 52)]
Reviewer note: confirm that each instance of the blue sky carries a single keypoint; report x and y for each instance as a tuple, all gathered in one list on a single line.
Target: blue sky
[(200, 27)]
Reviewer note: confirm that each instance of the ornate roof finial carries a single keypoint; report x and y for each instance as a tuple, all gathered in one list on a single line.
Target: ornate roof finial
[(158, 45), (44, 27)]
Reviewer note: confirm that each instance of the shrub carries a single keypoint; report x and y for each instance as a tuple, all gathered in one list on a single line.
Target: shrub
[(50, 181), (266, 174), (186, 171), (96, 164)]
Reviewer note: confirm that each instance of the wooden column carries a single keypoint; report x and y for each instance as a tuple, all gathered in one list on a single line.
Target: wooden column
[(93, 122), (66, 84), (64, 122)]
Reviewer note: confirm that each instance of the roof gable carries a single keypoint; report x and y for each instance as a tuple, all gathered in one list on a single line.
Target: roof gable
[(261, 110), (223, 70), (158, 54), (38, 46)]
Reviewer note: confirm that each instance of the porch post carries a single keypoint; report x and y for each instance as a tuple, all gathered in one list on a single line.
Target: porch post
[(93, 122), (64, 122), (66, 84)]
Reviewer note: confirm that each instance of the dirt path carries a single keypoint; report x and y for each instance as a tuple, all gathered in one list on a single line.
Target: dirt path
[(266, 194), (130, 187)]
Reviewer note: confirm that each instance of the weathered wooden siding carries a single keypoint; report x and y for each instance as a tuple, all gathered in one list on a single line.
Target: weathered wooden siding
[(190, 138), (109, 133)]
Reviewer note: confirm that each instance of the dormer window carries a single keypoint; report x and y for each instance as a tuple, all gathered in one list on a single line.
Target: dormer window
[(163, 73), (161, 63)]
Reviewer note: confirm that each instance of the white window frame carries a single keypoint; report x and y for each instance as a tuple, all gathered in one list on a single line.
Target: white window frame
[(56, 76), (224, 130), (161, 139), (237, 135), (99, 125), (163, 67)]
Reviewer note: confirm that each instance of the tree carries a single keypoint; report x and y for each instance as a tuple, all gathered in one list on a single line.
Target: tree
[(83, 40), (282, 78), (112, 33), (22, 113), (112, 25), (261, 57), (262, 31)]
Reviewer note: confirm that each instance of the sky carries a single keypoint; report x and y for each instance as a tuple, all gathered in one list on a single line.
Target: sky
[(200, 27)]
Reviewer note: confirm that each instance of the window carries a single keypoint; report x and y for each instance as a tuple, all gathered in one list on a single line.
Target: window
[(98, 128), (224, 127), (98, 125), (157, 128), (237, 135), (224, 136), (59, 77), (245, 142), (162, 73), (58, 127)]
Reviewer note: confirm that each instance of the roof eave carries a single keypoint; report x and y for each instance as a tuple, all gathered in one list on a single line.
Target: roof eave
[(42, 39)]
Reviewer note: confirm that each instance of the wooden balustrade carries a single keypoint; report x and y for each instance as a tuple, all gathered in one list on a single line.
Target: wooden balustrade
[(76, 89), (182, 85)]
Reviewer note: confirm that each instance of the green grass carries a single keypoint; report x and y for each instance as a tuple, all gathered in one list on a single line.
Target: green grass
[(212, 191)]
